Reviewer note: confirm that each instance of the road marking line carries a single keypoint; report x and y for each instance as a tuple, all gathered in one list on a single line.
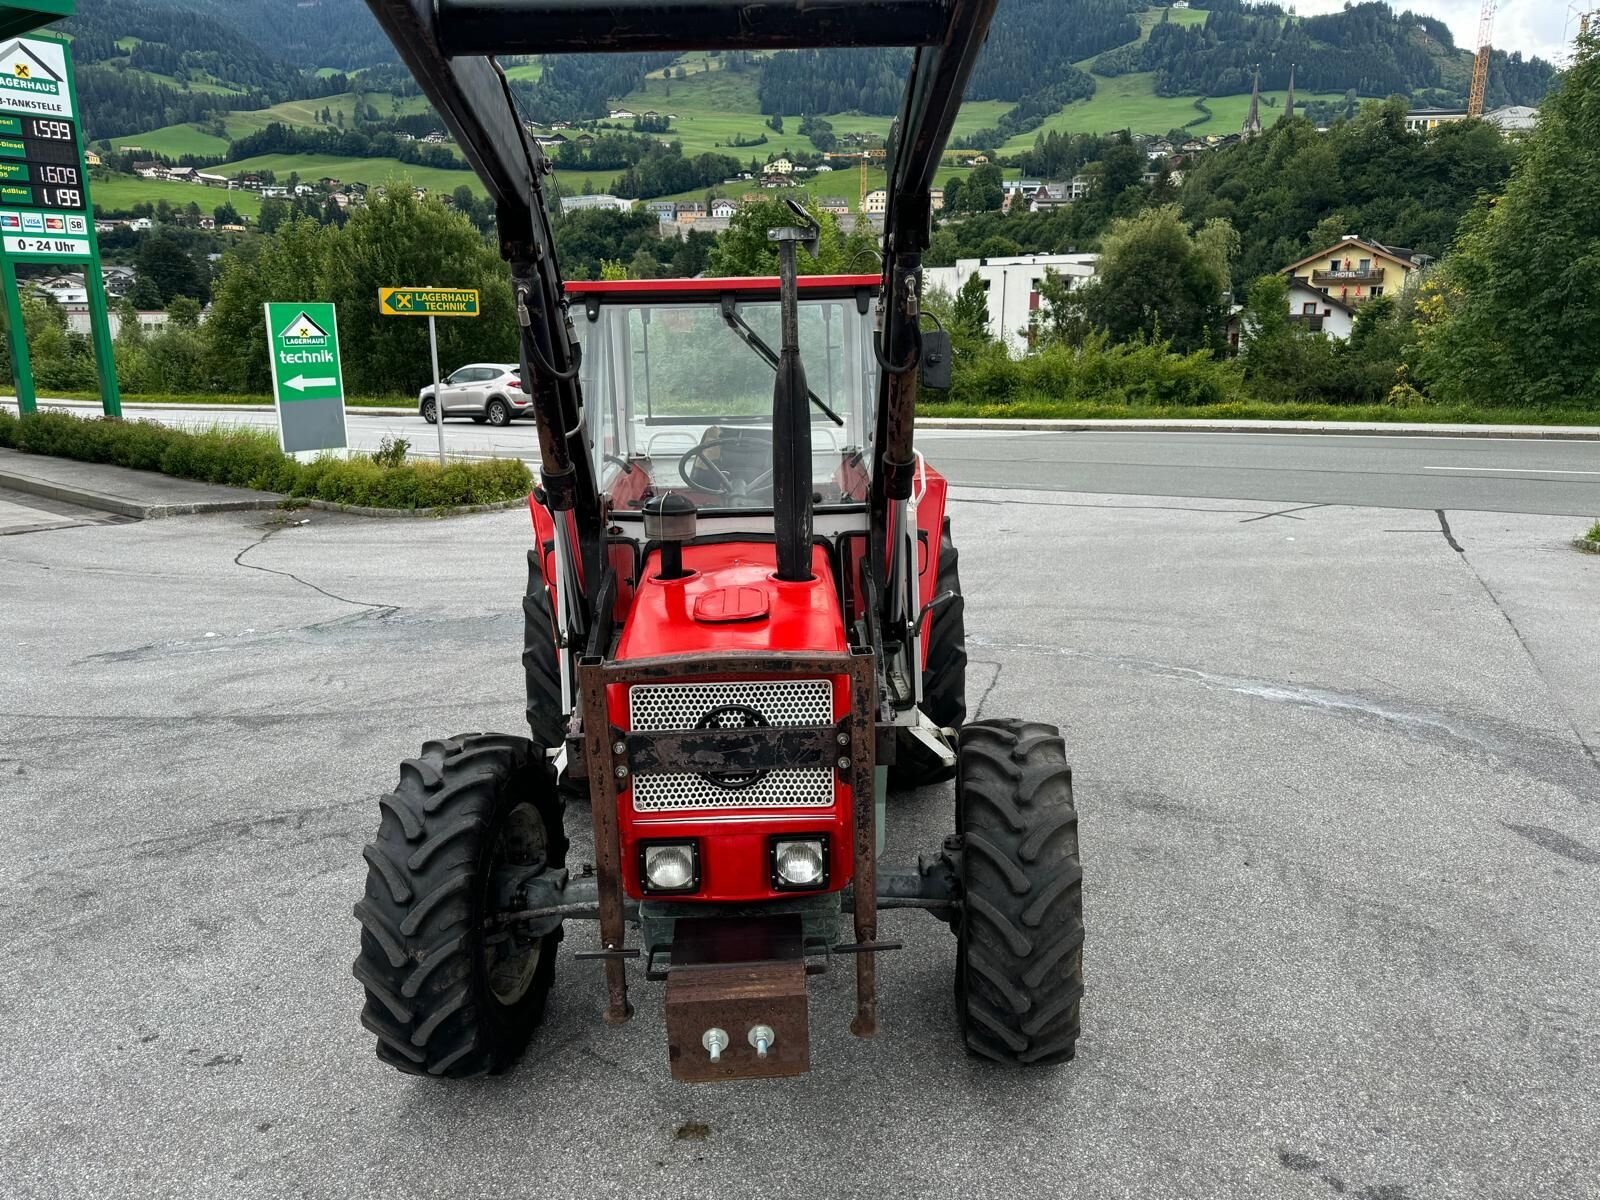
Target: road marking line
[(1516, 470)]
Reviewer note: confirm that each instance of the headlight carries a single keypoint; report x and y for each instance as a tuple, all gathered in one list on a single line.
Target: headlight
[(670, 866), (799, 864)]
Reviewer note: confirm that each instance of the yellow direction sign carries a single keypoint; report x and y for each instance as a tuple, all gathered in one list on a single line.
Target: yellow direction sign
[(428, 302)]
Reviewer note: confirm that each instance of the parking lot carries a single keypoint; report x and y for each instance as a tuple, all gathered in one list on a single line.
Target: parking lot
[(1338, 782)]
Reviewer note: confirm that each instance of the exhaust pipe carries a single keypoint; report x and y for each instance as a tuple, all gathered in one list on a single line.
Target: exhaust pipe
[(791, 414)]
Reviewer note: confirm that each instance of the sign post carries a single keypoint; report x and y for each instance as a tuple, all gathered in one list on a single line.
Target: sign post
[(45, 213), (307, 382), (430, 303)]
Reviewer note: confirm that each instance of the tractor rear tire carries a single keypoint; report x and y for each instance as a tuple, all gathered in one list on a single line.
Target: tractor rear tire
[(1019, 958), (445, 995), (944, 683), (540, 665)]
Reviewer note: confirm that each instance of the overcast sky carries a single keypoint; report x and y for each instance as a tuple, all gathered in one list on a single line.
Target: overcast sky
[(1532, 26)]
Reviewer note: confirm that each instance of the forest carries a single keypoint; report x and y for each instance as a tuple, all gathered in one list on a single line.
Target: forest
[(1368, 48), (1029, 52)]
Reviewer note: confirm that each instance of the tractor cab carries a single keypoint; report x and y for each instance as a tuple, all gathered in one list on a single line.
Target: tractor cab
[(680, 377)]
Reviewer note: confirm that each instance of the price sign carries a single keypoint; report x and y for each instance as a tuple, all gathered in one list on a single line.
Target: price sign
[(45, 210), (39, 163)]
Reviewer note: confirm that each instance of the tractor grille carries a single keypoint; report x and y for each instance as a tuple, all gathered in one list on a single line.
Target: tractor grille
[(658, 706)]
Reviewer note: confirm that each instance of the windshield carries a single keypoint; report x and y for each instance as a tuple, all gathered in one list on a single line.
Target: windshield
[(679, 397)]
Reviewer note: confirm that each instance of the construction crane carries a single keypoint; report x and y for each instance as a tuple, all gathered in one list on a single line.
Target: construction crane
[(1480, 65)]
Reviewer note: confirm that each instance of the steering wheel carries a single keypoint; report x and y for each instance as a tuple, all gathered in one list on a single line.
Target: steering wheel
[(713, 478)]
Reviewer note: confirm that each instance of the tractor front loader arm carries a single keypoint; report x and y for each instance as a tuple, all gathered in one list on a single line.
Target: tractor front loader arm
[(471, 93)]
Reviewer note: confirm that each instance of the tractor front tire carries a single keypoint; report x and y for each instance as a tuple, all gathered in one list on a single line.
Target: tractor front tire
[(944, 682), (1019, 959), (542, 669), (448, 993)]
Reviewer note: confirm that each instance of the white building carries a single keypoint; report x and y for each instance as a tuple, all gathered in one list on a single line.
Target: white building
[(1514, 118), (78, 320), (876, 203), (1320, 313), (1014, 287), (724, 208), (600, 200), (780, 166), (1421, 120)]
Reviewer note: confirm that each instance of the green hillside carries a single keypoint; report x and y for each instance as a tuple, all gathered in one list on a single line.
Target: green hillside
[(174, 141), (711, 108), (1130, 102), (119, 193)]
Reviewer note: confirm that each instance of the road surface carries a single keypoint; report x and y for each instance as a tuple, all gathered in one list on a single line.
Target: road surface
[(1520, 475), (1338, 792)]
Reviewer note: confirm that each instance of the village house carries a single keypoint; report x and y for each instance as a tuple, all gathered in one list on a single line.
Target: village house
[(1354, 270)]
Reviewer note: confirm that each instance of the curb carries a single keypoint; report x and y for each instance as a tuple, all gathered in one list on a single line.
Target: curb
[(1351, 429), (258, 502), (292, 503), (1038, 424), (104, 502), (132, 407)]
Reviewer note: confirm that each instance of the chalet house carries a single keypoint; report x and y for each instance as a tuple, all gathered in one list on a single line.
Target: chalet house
[(1319, 313), (724, 208), (1157, 150), (780, 166), (1354, 270), (691, 212)]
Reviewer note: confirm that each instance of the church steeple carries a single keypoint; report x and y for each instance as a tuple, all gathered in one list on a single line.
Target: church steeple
[(1288, 103), (1252, 123)]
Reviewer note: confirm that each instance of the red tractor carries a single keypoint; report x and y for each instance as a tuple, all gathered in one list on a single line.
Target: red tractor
[(744, 620)]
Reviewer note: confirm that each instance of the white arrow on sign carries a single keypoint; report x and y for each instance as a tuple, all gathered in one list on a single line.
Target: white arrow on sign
[(300, 383)]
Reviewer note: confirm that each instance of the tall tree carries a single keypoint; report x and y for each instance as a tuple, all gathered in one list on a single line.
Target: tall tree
[(1156, 279), (1520, 297)]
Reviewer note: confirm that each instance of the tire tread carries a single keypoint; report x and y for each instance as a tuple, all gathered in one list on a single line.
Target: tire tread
[(1020, 982)]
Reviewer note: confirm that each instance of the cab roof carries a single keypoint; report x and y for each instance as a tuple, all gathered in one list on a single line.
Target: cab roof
[(604, 290)]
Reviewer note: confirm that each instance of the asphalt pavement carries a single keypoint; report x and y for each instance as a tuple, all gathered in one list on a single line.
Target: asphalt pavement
[(1504, 474), (1337, 774)]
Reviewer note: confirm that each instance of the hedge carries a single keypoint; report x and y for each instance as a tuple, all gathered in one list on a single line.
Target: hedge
[(250, 458), (1131, 374)]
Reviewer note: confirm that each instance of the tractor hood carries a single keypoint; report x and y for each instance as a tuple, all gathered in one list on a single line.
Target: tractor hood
[(730, 600)]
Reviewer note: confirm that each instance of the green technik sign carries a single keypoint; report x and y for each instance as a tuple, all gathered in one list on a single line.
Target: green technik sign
[(307, 383)]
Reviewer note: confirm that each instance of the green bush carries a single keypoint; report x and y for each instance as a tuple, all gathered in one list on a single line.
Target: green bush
[(250, 458), (1133, 374)]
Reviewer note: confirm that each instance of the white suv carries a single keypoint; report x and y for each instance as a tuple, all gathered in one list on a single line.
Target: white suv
[(489, 392)]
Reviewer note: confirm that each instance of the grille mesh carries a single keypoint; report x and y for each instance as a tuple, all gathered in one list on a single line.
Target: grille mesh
[(658, 706)]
